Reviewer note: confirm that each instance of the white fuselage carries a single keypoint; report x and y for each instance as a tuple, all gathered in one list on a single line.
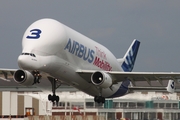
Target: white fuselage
[(60, 51)]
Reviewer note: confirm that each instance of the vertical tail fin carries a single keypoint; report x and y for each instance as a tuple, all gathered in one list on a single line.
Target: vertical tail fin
[(130, 56)]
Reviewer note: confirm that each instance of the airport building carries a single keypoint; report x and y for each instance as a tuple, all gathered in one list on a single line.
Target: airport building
[(78, 105)]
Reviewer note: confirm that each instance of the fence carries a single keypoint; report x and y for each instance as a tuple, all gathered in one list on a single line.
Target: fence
[(67, 117)]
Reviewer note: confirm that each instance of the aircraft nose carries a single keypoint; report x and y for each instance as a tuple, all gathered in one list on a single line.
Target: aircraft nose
[(27, 61), (20, 61), (23, 62)]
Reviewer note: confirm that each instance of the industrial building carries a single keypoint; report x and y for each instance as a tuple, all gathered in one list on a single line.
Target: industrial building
[(135, 106)]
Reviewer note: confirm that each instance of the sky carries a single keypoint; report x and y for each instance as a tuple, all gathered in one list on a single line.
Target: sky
[(114, 24)]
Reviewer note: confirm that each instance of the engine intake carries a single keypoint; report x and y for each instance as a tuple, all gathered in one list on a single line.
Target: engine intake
[(101, 79), (24, 77)]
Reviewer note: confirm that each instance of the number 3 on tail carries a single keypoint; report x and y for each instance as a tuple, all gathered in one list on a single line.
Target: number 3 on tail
[(34, 34), (172, 85)]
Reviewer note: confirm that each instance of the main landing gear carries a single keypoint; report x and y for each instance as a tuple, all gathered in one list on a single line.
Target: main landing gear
[(99, 99), (55, 84)]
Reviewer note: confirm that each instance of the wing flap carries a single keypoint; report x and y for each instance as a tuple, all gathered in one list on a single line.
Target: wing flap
[(20, 88), (159, 89), (170, 88), (6, 74)]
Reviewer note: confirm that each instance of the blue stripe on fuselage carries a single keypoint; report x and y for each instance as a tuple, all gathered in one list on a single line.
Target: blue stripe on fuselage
[(122, 89)]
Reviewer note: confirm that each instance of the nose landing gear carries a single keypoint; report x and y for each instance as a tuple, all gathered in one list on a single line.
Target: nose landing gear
[(55, 84), (37, 76)]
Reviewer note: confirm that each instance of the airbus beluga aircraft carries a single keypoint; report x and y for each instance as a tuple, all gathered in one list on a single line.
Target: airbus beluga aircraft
[(53, 51)]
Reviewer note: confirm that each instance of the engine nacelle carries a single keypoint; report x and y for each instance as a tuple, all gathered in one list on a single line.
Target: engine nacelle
[(24, 77), (101, 79)]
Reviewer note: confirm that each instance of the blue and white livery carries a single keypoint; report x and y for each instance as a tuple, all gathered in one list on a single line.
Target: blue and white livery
[(54, 52), (130, 56)]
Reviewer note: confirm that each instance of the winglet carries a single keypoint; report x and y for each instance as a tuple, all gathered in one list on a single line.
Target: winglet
[(130, 56), (170, 87)]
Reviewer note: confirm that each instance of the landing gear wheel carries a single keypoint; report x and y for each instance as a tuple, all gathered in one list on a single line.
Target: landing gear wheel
[(103, 101), (54, 99), (99, 99), (49, 97), (57, 99), (95, 98)]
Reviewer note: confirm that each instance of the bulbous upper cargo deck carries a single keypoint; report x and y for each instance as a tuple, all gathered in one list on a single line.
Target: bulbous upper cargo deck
[(45, 36)]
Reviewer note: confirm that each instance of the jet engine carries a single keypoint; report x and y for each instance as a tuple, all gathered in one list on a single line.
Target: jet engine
[(101, 79), (24, 77)]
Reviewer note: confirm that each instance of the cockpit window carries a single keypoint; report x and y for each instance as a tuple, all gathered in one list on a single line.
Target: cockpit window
[(31, 54)]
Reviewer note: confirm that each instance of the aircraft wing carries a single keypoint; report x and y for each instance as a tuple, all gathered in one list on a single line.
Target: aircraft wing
[(134, 76), (8, 84), (6, 74), (170, 88), (159, 88)]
